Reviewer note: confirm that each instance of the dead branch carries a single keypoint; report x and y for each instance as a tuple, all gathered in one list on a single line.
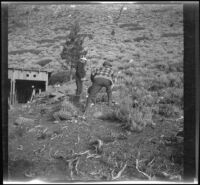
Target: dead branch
[(171, 177), (120, 12), (72, 164), (65, 127), (87, 151), (45, 130), (151, 161), (50, 158), (54, 136), (76, 166), (137, 167), (179, 118), (93, 155), (43, 148), (119, 173)]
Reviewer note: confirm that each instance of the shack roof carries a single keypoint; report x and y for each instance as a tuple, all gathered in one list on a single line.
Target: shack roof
[(28, 69)]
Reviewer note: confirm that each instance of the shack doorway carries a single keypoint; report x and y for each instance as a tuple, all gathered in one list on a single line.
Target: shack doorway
[(24, 89)]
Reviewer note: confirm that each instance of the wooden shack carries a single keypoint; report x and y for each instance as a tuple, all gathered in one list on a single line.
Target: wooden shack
[(22, 81)]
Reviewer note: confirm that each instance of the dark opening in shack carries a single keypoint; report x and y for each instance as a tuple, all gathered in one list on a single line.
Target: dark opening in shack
[(24, 89)]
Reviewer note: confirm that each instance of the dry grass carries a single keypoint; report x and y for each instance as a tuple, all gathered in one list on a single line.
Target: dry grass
[(172, 34), (22, 51)]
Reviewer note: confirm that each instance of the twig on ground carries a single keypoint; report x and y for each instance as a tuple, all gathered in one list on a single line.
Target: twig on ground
[(50, 158), (71, 175), (54, 136), (60, 135), (56, 152), (179, 118), (171, 177), (38, 126), (45, 130), (20, 147), (72, 166), (31, 130), (76, 166), (95, 173), (78, 139), (43, 148), (151, 161), (87, 151), (119, 173), (137, 167), (93, 155), (65, 127)]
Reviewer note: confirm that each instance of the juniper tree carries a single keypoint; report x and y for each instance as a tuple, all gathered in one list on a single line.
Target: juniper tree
[(72, 52), (73, 47)]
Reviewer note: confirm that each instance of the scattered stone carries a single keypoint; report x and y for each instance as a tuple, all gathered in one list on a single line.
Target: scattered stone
[(98, 114), (21, 120), (29, 174), (20, 147), (56, 122)]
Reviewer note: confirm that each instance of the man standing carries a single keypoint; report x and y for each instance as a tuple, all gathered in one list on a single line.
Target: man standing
[(101, 77), (80, 74)]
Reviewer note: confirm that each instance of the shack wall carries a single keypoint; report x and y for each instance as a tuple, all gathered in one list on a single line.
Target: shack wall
[(27, 75)]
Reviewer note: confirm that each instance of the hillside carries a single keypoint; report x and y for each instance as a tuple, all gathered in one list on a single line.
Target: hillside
[(143, 33), (140, 136)]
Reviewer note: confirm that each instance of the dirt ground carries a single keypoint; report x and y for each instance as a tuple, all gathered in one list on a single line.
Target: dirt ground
[(52, 150)]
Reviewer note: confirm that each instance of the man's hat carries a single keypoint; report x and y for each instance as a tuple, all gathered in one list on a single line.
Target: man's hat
[(83, 59), (107, 64)]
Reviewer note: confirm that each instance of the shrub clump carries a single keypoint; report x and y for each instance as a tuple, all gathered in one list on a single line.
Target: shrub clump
[(169, 110), (66, 112), (172, 95), (60, 77), (133, 118)]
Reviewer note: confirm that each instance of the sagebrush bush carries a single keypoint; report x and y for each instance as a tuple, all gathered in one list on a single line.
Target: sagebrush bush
[(176, 67), (175, 80), (130, 71), (20, 131), (172, 96), (159, 82), (169, 110), (138, 92), (67, 106), (162, 66), (64, 111), (126, 66), (132, 118), (60, 77)]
